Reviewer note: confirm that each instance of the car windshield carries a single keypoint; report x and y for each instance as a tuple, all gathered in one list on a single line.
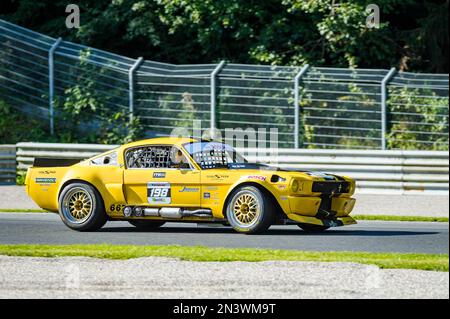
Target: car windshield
[(214, 155)]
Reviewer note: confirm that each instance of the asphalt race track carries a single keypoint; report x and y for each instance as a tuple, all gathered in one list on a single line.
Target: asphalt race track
[(371, 236)]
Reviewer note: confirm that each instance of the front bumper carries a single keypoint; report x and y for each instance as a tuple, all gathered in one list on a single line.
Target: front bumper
[(330, 212), (310, 206)]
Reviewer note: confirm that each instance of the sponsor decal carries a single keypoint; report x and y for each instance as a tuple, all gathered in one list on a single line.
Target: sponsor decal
[(159, 174), (217, 176), (159, 193), (207, 195), (258, 177), (283, 198), (45, 180), (212, 188), (47, 172), (281, 187), (189, 189)]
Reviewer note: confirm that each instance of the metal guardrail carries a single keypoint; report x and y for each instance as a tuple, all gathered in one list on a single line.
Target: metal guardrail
[(393, 172), (310, 107), (7, 164), (375, 171)]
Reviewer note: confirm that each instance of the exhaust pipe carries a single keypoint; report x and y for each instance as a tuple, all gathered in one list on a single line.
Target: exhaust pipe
[(170, 212), (176, 212), (151, 211), (198, 213)]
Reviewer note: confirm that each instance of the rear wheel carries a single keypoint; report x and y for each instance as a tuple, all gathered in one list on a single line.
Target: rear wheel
[(146, 224), (250, 211), (81, 207), (310, 228)]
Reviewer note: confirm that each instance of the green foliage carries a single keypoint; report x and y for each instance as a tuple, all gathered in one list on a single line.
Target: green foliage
[(20, 177), (84, 109), (273, 106), (13, 128), (401, 218), (119, 130), (351, 118), (413, 34), (419, 111), (16, 127), (82, 97)]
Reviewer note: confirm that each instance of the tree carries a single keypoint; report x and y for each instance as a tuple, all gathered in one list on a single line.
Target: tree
[(413, 34)]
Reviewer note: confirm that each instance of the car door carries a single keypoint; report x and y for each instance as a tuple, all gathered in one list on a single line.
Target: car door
[(153, 178)]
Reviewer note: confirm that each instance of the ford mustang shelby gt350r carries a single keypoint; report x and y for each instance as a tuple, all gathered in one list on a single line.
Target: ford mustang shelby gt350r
[(150, 182)]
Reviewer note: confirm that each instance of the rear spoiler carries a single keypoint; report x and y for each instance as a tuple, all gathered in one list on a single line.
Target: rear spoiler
[(55, 162)]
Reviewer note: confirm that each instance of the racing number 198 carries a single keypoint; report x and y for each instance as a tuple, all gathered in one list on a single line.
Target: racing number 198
[(159, 192)]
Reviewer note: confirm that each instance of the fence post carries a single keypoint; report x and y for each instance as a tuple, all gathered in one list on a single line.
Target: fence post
[(384, 83), (297, 79), (131, 72), (51, 84), (213, 76)]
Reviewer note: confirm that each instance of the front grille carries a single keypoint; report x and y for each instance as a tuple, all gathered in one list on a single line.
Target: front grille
[(331, 187)]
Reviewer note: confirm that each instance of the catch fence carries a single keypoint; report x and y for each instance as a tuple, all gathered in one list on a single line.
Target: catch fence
[(300, 107)]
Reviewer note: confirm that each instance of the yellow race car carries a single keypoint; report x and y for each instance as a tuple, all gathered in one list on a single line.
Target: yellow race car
[(154, 181)]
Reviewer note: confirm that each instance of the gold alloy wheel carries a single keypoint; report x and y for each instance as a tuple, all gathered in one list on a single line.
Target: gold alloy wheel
[(77, 205), (246, 208)]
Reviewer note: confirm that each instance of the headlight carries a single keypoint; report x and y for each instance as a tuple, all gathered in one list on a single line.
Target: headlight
[(127, 211), (138, 212), (294, 186)]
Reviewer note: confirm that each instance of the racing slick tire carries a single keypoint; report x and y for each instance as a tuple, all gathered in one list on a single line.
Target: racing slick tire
[(81, 207), (310, 228), (146, 224), (250, 210)]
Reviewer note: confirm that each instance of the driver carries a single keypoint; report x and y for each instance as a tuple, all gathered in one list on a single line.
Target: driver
[(178, 159)]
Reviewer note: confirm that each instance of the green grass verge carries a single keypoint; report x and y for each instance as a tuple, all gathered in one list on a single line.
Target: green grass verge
[(401, 218), (437, 262), (13, 210)]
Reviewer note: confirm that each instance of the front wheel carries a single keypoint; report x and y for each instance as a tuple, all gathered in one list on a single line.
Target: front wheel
[(81, 207), (146, 224), (310, 228), (249, 210)]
